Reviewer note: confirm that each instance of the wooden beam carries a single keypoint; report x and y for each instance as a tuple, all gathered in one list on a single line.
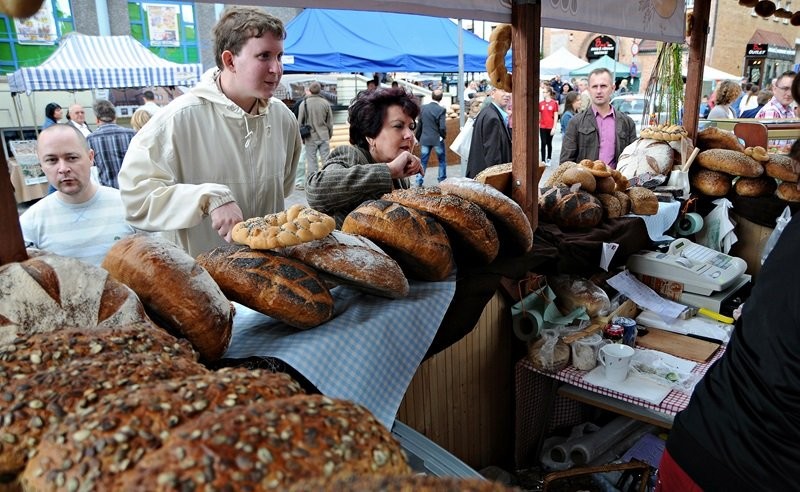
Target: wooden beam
[(694, 70), (12, 247), (526, 18)]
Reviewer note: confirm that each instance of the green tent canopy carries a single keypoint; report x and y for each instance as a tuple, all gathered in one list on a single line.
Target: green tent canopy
[(605, 61)]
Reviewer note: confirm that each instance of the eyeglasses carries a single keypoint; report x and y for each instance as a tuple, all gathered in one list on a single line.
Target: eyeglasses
[(783, 88)]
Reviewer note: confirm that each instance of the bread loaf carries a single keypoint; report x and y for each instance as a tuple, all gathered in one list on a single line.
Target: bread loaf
[(605, 185), (782, 167), (496, 205), (646, 156), (280, 287), (755, 187), (643, 201), (569, 209), (711, 183), (270, 444), (353, 260), (402, 483), (714, 138), (50, 292), (31, 403), (465, 220), (175, 289), (555, 178), (94, 448), (299, 224), (624, 202), (415, 239), (788, 191), (730, 162), (611, 205), (580, 175), (573, 292), (497, 176), (598, 168)]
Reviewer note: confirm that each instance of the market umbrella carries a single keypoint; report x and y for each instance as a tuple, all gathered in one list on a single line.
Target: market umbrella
[(618, 68), (560, 62)]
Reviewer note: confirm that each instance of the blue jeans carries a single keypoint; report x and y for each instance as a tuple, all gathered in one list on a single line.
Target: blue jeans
[(425, 154)]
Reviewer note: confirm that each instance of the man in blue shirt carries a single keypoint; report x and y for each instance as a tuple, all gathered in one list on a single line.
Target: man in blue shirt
[(109, 142)]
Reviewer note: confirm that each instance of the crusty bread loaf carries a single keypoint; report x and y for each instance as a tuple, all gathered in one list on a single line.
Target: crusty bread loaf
[(283, 288), (715, 138), (582, 176), (555, 177), (50, 292), (415, 239), (611, 205), (605, 185), (175, 289), (353, 260), (94, 448), (465, 220), (497, 176), (782, 167), (495, 204), (624, 202), (755, 187), (730, 162), (643, 201), (569, 209), (573, 292), (711, 183), (402, 483), (645, 155), (31, 403), (270, 444), (788, 191)]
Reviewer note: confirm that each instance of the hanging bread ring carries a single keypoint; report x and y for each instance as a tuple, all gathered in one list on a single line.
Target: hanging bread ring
[(499, 44), (20, 8)]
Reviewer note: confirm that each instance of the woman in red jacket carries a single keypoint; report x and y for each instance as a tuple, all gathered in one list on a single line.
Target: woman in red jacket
[(548, 116)]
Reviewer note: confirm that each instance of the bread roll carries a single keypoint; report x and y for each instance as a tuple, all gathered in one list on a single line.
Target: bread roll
[(555, 176), (611, 205), (788, 191), (415, 239), (582, 176), (94, 448), (283, 288), (730, 162), (714, 138), (495, 204), (643, 201), (624, 202), (402, 483), (570, 209), (50, 292), (782, 167), (646, 156), (463, 218), (711, 183), (353, 260), (270, 444), (178, 291), (605, 185), (755, 187)]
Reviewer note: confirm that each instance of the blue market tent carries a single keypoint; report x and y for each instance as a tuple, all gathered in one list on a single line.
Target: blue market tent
[(102, 62), (320, 40), (605, 61)]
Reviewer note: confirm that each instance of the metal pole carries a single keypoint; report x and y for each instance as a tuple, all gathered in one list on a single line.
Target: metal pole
[(460, 89)]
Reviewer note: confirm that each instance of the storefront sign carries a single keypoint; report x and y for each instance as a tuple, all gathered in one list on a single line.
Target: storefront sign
[(162, 23), (600, 46), (756, 50), (39, 28), (759, 50)]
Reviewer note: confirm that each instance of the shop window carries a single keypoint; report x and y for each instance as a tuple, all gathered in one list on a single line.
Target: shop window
[(29, 42), (166, 28)]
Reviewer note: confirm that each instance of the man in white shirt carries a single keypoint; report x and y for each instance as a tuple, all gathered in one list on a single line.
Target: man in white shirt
[(150, 103), (77, 117), (81, 219)]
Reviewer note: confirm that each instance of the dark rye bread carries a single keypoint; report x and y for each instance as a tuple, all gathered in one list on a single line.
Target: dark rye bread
[(415, 239), (402, 483), (283, 288), (731, 162), (570, 209), (91, 450), (352, 260), (465, 220), (31, 403), (175, 289), (270, 445), (782, 167), (51, 292)]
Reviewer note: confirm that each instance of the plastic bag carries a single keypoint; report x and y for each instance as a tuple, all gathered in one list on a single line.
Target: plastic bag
[(717, 233), (780, 223), (653, 366), (461, 143), (549, 353)]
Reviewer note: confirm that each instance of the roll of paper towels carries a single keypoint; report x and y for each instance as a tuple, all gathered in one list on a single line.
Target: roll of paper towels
[(689, 224), (527, 324)]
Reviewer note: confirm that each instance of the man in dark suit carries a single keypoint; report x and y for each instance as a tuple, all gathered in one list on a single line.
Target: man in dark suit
[(491, 137), (431, 131)]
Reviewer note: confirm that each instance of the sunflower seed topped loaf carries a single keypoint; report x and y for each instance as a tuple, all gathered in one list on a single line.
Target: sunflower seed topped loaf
[(415, 239), (270, 445), (283, 288), (51, 292), (352, 260), (402, 483), (461, 217), (782, 167), (731, 162), (31, 403), (175, 289), (716, 138), (90, 451)]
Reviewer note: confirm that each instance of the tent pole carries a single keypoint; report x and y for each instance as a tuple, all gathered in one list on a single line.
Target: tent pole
[(33, 112), (15, 101), (460, 88)]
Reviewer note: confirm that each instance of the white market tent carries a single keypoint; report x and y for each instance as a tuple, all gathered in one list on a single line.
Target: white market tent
[(102, 62), (560, 62), (711, 74)]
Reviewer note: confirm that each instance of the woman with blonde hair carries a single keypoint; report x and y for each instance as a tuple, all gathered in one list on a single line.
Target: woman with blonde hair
[(727, 92), (139, 118)]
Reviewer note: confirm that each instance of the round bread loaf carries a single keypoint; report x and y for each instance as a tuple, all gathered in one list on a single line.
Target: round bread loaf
[(624, 202), (582, 176), (782, 167), (415, 239), (611, 205), (461, 217), (573, 292), (30, 404), (730, 162), (92, 449), (755, 187), (568, 209), (353, 260), (401, 483), (555, 177), (643, 201), (714, 138), (711, 183), (283, 288), (788, 191), (646, 156), (495, 204), (175, 289), (50, 292), (270, 444), (605, 185), (497, 176)]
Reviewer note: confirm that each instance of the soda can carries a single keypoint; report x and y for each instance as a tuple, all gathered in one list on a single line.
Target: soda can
[(614, 333), (629, 327)]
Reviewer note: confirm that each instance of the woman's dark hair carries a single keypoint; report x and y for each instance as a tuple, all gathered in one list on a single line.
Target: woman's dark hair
[(368, 110), (570, 100), (50, 110)]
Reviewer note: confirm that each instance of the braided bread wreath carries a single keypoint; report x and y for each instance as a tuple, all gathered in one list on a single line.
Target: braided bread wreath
[(499, 44), (299, 224)]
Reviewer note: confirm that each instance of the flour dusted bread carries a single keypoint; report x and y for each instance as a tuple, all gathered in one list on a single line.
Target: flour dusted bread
[(711, 183), (93, 449), (495, 204), (283, 288), (782, 167), (415, 239), (730, 162), (51, 292), (570, 208), (176, 289), (270, 445), (353, 260), (715, 138), (465, 220), (646, 156)]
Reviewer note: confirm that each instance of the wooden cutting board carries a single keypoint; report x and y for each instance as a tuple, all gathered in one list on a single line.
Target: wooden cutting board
[(677, 345)]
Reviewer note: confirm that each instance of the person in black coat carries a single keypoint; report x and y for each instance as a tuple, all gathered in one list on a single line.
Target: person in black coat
[(431, 132), (491, 136)]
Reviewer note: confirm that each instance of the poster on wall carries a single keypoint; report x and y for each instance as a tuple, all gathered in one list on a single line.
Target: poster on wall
[(162, 23), (40, 28)]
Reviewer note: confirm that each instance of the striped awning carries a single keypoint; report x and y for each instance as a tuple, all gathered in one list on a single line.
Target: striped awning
[(102, 62)]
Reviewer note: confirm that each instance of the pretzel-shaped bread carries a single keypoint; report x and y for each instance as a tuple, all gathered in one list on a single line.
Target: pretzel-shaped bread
[(298, 224), (758, 153), (499, 44)]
